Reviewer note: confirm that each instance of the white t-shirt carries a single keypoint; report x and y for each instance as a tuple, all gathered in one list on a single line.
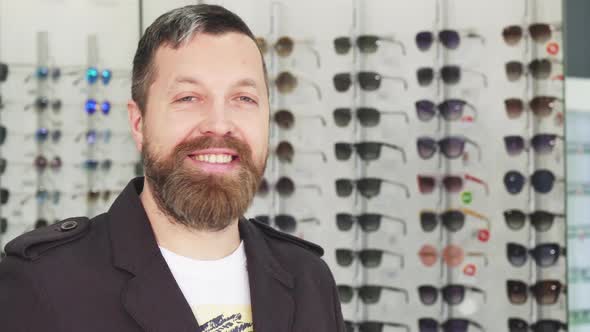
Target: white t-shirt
[(217, 291)]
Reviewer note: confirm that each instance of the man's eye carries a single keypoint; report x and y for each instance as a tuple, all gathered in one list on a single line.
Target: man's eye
[(187, 99), (247, 99)]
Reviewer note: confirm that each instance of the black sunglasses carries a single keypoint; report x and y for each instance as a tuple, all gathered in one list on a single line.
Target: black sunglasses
[(450, 39), (541, 106), (450, 109), (539, 69), (450, 325), (545, 291), (370, 258), (285, 222), (545, 254), (451, 294), (544, 325), (368, 187), (368, 80), (451, 147), (541, 143), (541, 220), (542, 181), (365, 43), (372, 326), (369, 294), (452, 219), (367, 116), (449, 74), (367, 151), (369, 222)]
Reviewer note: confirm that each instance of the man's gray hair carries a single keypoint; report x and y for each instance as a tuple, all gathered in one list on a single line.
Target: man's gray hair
[(176, 28)]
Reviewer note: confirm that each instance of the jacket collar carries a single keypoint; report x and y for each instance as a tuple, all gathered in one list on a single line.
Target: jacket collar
[(152, 296)]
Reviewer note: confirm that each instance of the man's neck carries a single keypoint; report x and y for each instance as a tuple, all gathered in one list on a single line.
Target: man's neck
[(201, 245)]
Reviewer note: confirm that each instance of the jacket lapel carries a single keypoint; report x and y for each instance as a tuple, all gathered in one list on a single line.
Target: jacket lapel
[(151, 296), (271, 286)]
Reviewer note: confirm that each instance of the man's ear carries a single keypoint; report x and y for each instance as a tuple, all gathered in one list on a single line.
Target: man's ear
[(136, 123)]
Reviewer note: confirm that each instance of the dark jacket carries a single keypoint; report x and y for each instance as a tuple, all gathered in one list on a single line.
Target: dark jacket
[(107, 274)]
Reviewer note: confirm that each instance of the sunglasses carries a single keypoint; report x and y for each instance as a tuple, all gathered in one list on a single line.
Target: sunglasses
[(449, 74), (285, 152), (450, 39), (452, 219), (93, 196), (450, 325), (367, 44), (367, 151), (541, 220), (94, 164), (4, 195), (539, 69), (539, 32), (370, 258), (368, 80), (544, 325), (286, 82), (451, 147), (286, 120), (369, 294), (449, 110), (43, 135), (284, 47), (545, 291), (372, 326), (285, 187), (542, 181), (451, 255), (541, 106), (368, 187), (44, 195), (41, 163), (285, 222), (92, 136), (369, 222), (450, 183), (545, 255), (42, 103), (367, 116), (541, 143), (451, 294), (92, 106)]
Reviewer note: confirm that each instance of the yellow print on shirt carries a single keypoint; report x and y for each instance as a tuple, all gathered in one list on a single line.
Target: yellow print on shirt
[(224, 318)]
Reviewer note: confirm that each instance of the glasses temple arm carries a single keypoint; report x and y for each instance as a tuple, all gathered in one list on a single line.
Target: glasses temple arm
[(395, 42), (483, 76), (477, 147), (311, 219), (399, 79), (313, 186), (473, 109), (400, 290), (404, 326), (400, 220), (398, 148), (313, 84), (400, 185), (478, 254), (402, 113), (478, 180)]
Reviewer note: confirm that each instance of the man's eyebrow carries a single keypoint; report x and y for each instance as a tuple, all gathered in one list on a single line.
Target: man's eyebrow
[(245, 82)]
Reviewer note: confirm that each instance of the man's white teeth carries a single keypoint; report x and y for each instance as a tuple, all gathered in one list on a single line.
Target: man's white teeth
[(214, 158)]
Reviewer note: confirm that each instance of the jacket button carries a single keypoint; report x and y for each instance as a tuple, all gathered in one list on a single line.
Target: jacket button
[(68, 225)]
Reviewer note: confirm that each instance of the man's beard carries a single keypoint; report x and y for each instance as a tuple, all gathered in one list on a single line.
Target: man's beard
[(197, 199)]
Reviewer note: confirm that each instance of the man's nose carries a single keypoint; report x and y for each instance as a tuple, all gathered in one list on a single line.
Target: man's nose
[(217, 122)]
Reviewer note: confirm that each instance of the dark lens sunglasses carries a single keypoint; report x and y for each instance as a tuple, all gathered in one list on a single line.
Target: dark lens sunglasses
[(541, 143), (539, 32), (450, 183), (539, 69), (452, 219), (451, 294), (541, 106), (286, 82), (449, 110), (449, 74), (541, 220), (286, 152), (285, 187), (451, 147), (368, 81), (450, 39), (286, 120), (367, 116), (367, 151), (369, 222), (544, 325), (370, 258), (542, 181), (366, 44), (450, 325), (285, 222), (368, 187), (545, 291), (545, 255), (372, 326), (369, 294)]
